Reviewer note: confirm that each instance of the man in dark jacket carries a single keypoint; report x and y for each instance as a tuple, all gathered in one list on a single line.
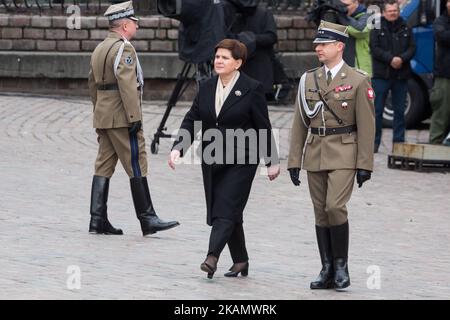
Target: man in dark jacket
[(254, 26), (392, 47), (440, 95)]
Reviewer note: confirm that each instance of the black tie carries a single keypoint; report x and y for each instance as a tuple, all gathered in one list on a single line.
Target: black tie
[(329, 77)]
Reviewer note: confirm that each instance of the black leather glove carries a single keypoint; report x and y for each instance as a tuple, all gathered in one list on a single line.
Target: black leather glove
[(135, 127), (362, 176), (295, 175)]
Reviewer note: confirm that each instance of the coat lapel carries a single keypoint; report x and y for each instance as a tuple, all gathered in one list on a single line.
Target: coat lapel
[(239, 90), (338, 79), (211, 98), (321, 79)]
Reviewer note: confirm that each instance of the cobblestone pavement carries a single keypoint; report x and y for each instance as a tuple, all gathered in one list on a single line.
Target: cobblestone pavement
[(399, 221)]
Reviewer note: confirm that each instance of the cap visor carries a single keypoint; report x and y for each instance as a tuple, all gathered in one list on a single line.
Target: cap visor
[(322, 40), (133, 18)]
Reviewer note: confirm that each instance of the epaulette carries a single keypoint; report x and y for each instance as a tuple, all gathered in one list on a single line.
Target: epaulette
[(361, 71)]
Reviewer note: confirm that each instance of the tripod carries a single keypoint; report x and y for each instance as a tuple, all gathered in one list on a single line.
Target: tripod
[(202, 71)]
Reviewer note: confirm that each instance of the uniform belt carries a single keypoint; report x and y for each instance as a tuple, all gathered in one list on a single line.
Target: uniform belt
[(322, 131), (111, 86)]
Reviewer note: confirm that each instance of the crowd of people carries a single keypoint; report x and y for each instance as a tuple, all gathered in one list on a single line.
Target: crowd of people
[(386, 52)]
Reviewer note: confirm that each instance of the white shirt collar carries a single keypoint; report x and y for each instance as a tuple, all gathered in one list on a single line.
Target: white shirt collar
[(335, 69)]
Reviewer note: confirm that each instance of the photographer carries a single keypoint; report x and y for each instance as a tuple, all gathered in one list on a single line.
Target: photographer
[(326, 10), (357, 51)]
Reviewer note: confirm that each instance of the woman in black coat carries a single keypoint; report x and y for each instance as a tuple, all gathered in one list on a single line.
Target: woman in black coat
[(231, 111)]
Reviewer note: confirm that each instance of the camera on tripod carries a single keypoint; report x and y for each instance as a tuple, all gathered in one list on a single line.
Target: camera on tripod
[(327, 10)]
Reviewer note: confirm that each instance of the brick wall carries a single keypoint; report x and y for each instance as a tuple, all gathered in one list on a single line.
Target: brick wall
[(156, 34)]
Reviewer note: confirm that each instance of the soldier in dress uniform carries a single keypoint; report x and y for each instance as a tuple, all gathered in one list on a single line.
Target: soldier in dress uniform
[(115, 85), (334, 115)]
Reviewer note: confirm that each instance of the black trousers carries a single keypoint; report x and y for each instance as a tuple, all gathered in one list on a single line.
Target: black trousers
[(225, 231)]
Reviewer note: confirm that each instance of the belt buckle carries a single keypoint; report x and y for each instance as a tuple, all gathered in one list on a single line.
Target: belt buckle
[(322, 131)]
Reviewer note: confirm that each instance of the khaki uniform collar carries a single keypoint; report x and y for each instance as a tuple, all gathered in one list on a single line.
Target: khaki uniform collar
[(337, 80), (114, 35)]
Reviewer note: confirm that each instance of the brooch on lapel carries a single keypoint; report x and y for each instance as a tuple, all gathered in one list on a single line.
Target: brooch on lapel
[(238, 93), (343, 88)]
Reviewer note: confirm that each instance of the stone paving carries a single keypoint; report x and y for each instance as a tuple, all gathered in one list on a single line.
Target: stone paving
[(399, 221)]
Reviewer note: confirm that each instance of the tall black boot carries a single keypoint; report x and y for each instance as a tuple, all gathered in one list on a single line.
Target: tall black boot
[(150, 223), (326, 275), (99, 217), (339, 244)]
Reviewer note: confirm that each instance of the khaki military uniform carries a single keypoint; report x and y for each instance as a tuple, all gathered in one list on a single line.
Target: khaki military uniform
[(331, 160), (115, 91)]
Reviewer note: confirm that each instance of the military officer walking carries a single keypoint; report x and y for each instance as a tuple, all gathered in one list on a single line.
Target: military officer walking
[(334, 115), (115, 85)]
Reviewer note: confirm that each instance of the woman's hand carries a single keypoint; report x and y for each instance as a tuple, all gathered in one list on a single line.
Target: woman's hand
[(273, 172), (173, 158)]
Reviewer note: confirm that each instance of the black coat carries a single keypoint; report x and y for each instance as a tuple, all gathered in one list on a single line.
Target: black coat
[(227, 186), (441, 29), (393, 39), (258, 31), (202, 27)]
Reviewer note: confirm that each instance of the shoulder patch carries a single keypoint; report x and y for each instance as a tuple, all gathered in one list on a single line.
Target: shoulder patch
[(129, 60), (370, 93)]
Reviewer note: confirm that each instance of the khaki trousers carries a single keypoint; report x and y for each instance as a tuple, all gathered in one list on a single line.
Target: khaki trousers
[(440, 104), (117, 143), (330, 191)]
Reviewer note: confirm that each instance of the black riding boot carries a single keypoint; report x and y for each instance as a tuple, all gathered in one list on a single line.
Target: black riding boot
[(326, 275), (150, 223), (99, 217), (339, 244)]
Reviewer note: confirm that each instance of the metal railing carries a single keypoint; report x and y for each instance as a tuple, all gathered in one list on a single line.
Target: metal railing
[(143, 7)]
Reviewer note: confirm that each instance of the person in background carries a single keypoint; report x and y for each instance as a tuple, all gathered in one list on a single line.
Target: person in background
[(254, 26), (357, 51), (392, 47), (440, 94)]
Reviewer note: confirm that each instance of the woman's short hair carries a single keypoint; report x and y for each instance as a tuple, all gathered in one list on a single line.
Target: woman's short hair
[(238, 49)]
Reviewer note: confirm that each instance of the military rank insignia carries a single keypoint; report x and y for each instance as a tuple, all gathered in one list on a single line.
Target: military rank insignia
[(370, 93), (129, 60)]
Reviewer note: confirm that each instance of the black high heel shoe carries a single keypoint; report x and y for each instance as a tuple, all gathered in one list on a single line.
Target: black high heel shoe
[(206, 267), (243, 272)]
